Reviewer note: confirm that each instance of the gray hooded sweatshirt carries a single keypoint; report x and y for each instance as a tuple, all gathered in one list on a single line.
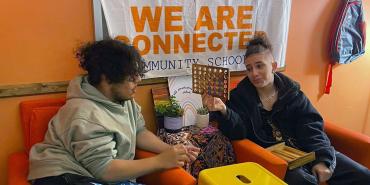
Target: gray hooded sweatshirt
[(86, 134)]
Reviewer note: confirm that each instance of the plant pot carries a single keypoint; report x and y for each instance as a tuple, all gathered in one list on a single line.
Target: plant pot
[(202, 121), (159, 121), (173, 124)]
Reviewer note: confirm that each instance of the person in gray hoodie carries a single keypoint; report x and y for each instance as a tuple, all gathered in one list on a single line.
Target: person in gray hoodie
[(92, 138)]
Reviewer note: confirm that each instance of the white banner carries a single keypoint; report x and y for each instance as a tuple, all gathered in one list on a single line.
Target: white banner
[(173, 34)]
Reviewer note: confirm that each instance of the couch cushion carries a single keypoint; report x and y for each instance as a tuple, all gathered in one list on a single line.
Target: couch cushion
[(38, 124), (26, 108)]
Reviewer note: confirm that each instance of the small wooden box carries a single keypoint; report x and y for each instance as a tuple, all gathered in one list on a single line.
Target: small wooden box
[(294, 157)]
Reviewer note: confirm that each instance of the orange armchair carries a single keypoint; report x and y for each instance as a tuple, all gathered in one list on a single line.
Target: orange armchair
[(353, 144), (35, 116)]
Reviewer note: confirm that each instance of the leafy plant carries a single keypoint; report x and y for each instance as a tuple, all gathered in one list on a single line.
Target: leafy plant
[(202, 110), (173, 108), (160, 107)]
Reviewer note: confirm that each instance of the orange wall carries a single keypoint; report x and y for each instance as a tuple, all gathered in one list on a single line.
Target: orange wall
[(307, 59), (37, 42), (38, 39)]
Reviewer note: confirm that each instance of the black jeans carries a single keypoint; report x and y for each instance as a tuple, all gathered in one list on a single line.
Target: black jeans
[(67, 179), (347, 172), (73, 179)]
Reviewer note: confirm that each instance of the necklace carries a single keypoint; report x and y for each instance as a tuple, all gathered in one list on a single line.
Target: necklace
[(268, 102), (276, 133), (269, 98)]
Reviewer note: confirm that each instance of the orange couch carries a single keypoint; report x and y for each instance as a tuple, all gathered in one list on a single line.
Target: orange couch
[(35, 115)]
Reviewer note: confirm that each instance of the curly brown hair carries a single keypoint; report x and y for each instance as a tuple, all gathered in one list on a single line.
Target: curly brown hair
[(114, 59)]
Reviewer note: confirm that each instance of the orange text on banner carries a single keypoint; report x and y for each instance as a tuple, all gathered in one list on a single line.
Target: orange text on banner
[(197, 43), (204, 19), (225, 34)]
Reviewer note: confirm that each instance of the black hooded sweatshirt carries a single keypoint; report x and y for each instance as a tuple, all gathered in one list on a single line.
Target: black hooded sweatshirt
[(293, 114)]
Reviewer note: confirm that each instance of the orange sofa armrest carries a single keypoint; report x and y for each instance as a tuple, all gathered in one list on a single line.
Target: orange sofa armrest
[(353, 144), (18, 169), (248, 151), (172, 176)]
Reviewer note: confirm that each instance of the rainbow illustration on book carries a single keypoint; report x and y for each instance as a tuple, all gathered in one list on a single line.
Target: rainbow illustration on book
[(181, 88)]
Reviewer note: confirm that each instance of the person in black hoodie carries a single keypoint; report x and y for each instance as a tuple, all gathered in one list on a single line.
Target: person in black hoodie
[(268, 107)]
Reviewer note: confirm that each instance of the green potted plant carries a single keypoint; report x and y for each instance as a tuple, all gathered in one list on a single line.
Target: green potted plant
[(160, 109), (173, 113), (202, 117)]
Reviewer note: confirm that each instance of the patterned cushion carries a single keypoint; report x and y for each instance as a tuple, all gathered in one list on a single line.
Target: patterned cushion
[(215, 149)]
